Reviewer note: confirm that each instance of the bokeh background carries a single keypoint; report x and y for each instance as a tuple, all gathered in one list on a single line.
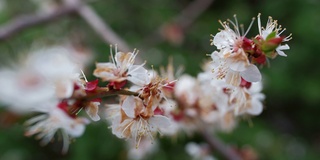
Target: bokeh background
[(288, 128)]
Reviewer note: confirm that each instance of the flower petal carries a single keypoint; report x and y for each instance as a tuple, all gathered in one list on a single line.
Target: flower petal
[(92, 110), (251, 74), (105, 71), (282, 47), (159, 122), (256, 107), (138, 75), (233, 77), (128, 106)]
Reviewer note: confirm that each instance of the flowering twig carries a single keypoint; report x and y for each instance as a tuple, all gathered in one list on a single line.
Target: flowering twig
[(105, 92), (229, 87)]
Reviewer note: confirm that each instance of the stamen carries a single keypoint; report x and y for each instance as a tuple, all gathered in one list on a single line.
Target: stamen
[(235, 19), (84, 76), (79, 110), (111, 55), (259, 24), (222, 24), (133, 56), (165, 85), (242, 29), (179, 71), (116, 48), (249, 26), (281, 31), (127, 127), (235, 26), (288, 38)]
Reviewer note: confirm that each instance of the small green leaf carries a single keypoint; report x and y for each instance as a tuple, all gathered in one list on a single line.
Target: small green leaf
[(271, 35)]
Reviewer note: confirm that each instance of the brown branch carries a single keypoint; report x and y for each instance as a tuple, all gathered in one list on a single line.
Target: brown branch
[(106, 92), (187, 17), (184, 20), (216, 144), (102, 28), (21, 23), (69, 6)]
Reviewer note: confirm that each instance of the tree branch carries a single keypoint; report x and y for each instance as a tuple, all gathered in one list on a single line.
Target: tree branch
[(69, 6), (184, 20), (216, 144), (102, 28), (21, 23), (106, 92)]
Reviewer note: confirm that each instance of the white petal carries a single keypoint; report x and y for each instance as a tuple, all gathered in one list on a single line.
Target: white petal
[(92, 111), (237, 66), (256, 87), (128, 106), (64, 88), (256, 107), (216, 59), (193, 149), (185, 89), (119, 58), (224, 39), (76, 129), (233, 77), (105, 65), (53, 62), (24, 90), (115, 126), (124, 60), (251, 74), (138, 75), (105, 71), (282, 47), (159, 121)]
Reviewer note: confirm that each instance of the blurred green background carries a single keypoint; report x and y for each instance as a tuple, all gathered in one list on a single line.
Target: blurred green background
[(287, 129)]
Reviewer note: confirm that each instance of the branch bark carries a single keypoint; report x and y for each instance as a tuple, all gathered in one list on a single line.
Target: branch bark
[(216, 144), (102, 28), (69, 6), (106, 92), (21, 23), (184, 20)]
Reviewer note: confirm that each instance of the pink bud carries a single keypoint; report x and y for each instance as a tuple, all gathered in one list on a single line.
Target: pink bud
[(92, 85)]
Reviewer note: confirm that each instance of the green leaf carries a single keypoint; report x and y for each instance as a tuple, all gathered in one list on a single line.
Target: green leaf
[(271, 35)]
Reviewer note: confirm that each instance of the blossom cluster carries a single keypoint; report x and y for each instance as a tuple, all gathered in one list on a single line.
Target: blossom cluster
[(51, 83)]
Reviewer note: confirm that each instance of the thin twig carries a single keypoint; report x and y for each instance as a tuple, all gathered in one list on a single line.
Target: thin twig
[(184, 20), (216, 144), (187, 17), (21, 23), (102, 28), (70, 6), (106, 92)]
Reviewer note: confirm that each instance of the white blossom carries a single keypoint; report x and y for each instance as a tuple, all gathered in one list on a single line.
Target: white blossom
[(46, 125), (137, 121), (121, 68), (272, 26)]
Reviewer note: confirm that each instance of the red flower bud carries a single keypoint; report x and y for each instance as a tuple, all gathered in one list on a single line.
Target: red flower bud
[(117, 85), (92, 85)]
